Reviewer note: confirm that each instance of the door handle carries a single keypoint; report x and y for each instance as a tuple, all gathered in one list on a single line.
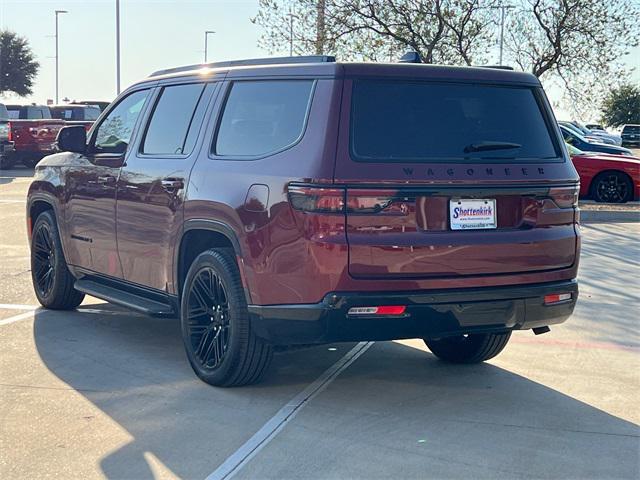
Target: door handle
[(172, 184), (107, 179)]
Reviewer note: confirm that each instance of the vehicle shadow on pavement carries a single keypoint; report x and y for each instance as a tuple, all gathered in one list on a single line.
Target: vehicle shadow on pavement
[(133, 369)]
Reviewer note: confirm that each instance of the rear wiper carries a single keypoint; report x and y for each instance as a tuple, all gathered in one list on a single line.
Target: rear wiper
[(485, 146)]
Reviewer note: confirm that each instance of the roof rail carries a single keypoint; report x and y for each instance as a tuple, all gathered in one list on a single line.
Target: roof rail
[(497, 67), (249, 62)]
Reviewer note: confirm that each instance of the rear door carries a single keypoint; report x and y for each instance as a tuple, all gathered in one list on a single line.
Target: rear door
[(153, 182), (453, 180)]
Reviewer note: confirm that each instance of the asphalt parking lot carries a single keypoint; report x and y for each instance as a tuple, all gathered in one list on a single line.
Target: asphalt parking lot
[(101, 392)]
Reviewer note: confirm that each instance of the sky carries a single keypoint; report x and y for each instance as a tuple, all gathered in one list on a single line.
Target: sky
[(154, 34)]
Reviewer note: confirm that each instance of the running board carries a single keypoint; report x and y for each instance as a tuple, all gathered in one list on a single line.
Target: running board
[(128, 299)]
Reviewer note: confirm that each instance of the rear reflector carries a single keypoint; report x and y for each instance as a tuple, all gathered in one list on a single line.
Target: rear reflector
[(383, 310), (556, 298)]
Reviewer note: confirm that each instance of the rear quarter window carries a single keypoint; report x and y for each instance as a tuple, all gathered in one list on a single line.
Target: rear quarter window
[(402, 121), (262, 117)]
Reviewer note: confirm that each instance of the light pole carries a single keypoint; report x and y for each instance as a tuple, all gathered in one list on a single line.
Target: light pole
[(58, 12), (291, 16), (503, 9), (206, 36), (117, 47)]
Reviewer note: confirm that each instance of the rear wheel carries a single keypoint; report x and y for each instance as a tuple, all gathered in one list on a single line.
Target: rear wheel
[(612, 187), (52, 281), (472, 348), (220, 344), (30, 162), (6, 162)]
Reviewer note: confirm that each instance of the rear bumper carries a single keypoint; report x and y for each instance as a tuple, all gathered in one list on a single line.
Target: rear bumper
[(429, 314)]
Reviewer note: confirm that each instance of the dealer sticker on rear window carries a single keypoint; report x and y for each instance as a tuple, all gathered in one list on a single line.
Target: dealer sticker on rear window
[(465, 214)]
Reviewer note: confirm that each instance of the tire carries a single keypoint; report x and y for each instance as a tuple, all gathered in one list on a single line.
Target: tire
[(472, 348), (52, 281), (612, 187), (219, 342), (30, 162), (6, 162)]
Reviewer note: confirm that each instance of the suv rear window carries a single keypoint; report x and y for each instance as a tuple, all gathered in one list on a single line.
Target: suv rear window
[(396, 121), (631, 129), (263, 117)]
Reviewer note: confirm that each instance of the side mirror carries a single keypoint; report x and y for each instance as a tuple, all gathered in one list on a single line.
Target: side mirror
[(72, 139)]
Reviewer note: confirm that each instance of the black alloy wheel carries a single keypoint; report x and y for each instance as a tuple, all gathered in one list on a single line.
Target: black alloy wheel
[(218, 337), (208, 318), (612, 187), (44, 260), (52, 280)]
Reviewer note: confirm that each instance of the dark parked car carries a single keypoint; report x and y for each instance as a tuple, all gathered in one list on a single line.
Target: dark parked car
[(75, 112), (631, 135), (302, 201), (6, 143), (581, 143)]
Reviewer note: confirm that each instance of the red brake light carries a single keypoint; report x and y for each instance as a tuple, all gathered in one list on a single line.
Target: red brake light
[(10, 132), (565, 197), (557, 298), (317, 199), (381, 310)]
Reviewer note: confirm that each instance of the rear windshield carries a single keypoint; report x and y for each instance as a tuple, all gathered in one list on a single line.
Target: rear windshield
[(395, 121), (631, 129)]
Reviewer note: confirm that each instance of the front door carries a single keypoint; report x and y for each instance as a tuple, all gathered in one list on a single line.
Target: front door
[(152, 184), (90, 209)]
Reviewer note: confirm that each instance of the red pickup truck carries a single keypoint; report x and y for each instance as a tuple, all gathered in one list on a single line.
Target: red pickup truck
[(33, 131)]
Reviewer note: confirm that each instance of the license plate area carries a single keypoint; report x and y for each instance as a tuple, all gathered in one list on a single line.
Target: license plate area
[(472, 214)]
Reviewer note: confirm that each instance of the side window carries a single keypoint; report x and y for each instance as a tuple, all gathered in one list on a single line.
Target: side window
[(114, 132), (172, 120), (262, 117)]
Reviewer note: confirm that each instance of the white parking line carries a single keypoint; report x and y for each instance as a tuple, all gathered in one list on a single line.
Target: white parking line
[(16, 318), (11, 306), (269, 430)]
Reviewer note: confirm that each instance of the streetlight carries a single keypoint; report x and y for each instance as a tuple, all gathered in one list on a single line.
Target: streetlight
[(206, 35), (57, 13), (503, 9), (117, 47), (291, 16)]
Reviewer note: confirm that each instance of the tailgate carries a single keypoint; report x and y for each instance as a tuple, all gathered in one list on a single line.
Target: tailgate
[(35, 135), (423, 232)]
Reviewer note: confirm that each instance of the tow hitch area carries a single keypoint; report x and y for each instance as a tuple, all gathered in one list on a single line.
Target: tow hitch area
[(541, 330)]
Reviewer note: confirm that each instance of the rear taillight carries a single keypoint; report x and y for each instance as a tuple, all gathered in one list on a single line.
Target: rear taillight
[(10, 132), (387, 310), (565, 197), (557, 298), (367, 203), (317, 199)]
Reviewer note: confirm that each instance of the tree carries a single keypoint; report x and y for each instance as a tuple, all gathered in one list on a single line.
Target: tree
[(18, 67), (576, 43), (442, 31), (622, 105)]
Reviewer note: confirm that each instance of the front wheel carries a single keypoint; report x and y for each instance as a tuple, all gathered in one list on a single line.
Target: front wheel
[(52, 281), (612, 187), (220, 344), (472, 348)]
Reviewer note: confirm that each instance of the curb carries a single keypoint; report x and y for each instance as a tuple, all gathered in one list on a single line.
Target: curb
[(609, 216)]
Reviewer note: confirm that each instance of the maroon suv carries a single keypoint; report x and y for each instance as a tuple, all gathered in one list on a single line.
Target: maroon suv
[(301, 201)]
